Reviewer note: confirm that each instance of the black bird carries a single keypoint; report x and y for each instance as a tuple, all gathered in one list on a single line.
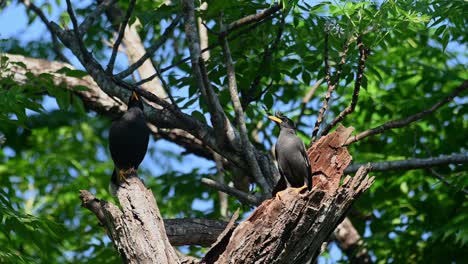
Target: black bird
[(291, 155), (128, 140)]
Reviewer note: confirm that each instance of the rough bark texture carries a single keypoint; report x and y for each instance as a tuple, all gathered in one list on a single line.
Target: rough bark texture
[(291, 228), (137, 230)]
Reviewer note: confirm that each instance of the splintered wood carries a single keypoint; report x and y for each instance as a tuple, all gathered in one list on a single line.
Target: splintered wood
[(291, 229)]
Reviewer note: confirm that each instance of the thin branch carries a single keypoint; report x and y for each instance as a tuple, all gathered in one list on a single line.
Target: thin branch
[(266, 60), (239, 112), (84, 52), (41, 15), (330, 89), (100, 9), (110, 65), (403, 122), (363, 53), (243, 197), (150, 51), (251, 19), (445, 181), (413, 163), (307, 98), (214, 45), (164, 84)]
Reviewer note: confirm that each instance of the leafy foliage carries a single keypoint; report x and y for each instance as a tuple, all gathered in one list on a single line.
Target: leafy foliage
[(418, 55)]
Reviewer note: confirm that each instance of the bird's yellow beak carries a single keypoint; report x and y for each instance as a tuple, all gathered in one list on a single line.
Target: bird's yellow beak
[(135, 96), (275, 119)]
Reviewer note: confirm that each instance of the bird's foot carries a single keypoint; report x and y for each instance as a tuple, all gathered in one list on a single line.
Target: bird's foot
[(300, 189), (123, 173)]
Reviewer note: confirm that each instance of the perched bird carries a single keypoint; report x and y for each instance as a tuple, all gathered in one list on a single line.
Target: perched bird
[(291, 155), (128, 140)]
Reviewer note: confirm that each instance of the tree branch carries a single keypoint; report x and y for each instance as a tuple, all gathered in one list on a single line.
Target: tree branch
[(363, 53), (266, 60), (240, 120), (445, 181), (330, 90), (251, 19), (137, 230), (307, 98), (224, 131), (403, 122), (77, 34), (150, 51), (88, 21), (411, 164), (243, 197), (30, 6), (110, 65)]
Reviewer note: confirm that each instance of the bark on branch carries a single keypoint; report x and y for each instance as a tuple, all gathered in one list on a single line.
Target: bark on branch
[(184, 231), (137, 230)]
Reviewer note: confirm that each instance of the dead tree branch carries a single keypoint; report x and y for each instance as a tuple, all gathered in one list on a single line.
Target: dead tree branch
[(183, 231), (412, 164), (404, 122), (363, 53), (243, 197), (137, 230)]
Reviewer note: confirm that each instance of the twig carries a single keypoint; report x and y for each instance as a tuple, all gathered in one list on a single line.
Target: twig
[(267, 56), (110, 65), (164, 84), (363, 53), (46, 22), (239, 112), (412, 163), (214, 45), (150, 51), (339, 68), (307, 98), (77, 34), (403, 122), (330, 89), (243, 197), (445, 181), (100, 9), (251, 19)]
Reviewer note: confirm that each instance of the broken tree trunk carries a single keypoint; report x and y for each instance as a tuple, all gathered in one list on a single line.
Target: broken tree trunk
[(137, 230), (291, 229)]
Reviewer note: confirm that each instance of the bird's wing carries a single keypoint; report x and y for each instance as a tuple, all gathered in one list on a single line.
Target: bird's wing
[(307, 161)]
